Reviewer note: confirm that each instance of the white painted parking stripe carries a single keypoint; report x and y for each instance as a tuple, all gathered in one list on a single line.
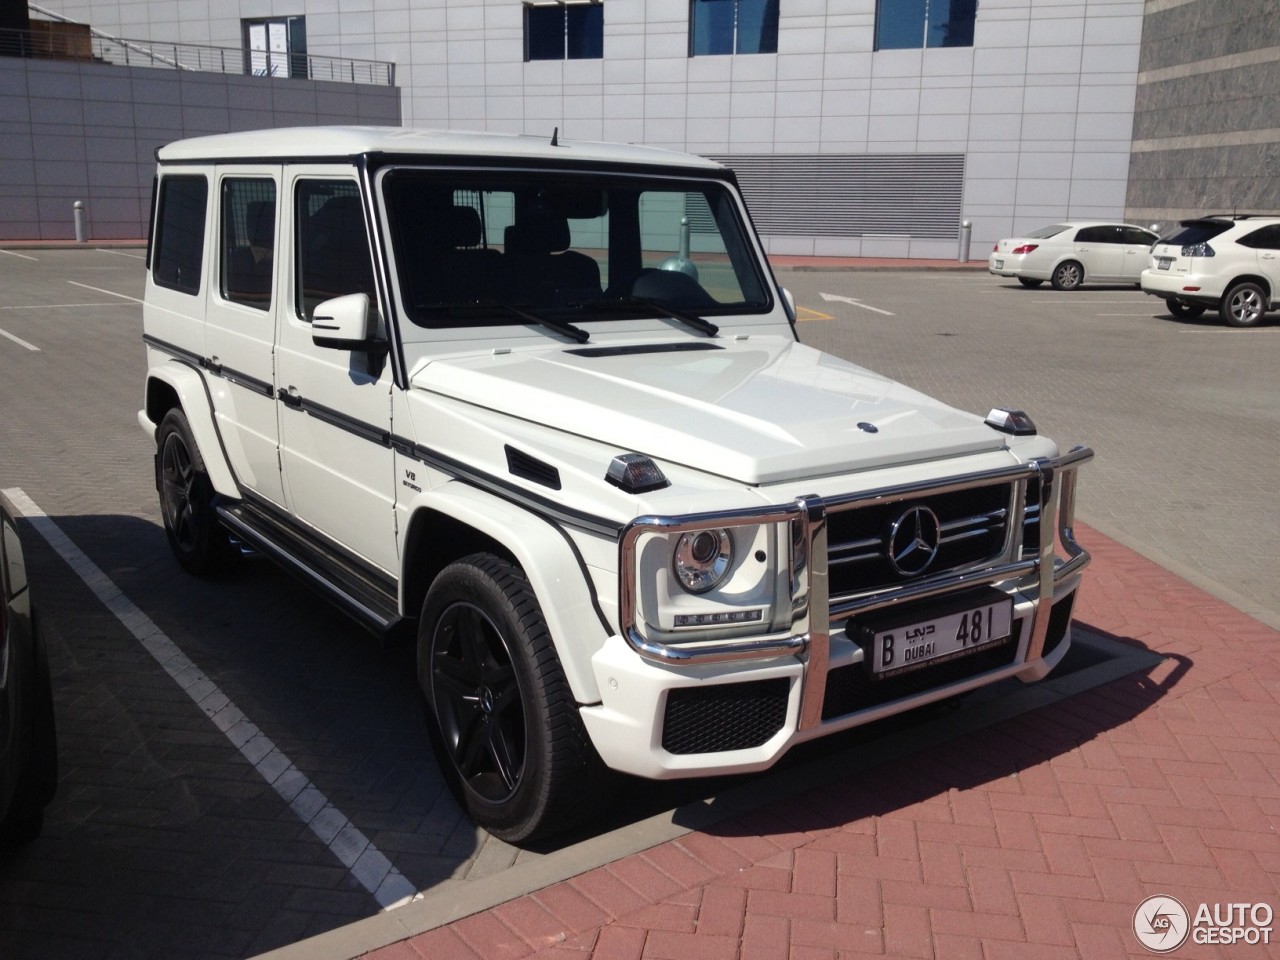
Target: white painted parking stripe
[(366, 864), (110, 293), (120, 253), (19, 341), (60, 306), (853, 303), (14, 253)]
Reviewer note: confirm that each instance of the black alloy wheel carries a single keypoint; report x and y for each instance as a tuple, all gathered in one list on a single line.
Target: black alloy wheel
[(199, 542), (502, 718)]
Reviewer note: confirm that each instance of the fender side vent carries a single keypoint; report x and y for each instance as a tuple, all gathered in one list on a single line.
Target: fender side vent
[(531, 468)]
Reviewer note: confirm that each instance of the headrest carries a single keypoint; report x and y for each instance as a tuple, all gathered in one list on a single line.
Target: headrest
[(544, 234), (461, 227)]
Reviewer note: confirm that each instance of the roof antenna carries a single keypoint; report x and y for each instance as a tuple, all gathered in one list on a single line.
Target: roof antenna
[(555, 137)]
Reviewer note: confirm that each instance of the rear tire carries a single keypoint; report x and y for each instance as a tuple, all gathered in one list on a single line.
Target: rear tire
[(1184, 310), (1244, 305), (503, 721), (200, 543), (1029, 282), (1067, 275)]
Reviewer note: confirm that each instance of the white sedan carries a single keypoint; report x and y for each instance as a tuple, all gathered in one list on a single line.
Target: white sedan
[(1069, 254)]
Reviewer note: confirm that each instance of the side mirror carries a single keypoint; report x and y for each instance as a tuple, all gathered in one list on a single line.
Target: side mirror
[(343, 323)]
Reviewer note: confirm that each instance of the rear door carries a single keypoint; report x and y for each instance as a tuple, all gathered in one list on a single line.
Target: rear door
[(1101, 252), (240, 324), (1137, 251)]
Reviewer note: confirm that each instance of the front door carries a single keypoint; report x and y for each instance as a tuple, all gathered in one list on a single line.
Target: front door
[(335, 405)]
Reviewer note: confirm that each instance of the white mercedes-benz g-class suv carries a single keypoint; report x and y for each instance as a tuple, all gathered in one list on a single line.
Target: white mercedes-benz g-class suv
[(540, 405)]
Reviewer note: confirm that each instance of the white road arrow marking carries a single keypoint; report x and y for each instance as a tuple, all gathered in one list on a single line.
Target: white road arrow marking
[(856, 303)]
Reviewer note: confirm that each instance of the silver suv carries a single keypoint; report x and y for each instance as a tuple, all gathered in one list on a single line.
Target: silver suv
[(1227, 262)]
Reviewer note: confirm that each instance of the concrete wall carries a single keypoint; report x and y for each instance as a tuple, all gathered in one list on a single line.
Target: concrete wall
[(89, 131), (1206, 136), (1041, 106)]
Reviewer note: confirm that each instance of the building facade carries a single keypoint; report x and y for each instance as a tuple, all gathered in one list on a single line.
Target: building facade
[(857, 127)]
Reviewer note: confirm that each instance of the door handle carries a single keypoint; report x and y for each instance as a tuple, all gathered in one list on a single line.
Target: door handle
[(290, 397)]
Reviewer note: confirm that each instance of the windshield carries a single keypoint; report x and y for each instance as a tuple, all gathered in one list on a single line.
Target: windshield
[(471, 245)]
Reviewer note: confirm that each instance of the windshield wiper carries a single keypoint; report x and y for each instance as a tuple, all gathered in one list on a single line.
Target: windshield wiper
[(566, 329), (657, 306)]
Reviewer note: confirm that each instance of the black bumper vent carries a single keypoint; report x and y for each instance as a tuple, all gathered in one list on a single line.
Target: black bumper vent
[(1059, 620), (727, 716)]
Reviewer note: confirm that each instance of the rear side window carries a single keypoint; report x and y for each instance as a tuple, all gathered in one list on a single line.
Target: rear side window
[(1267, 238), (248, 240), (179, 241), (1137, 235), (1197, 231), (1107, 234), (1044, 233)]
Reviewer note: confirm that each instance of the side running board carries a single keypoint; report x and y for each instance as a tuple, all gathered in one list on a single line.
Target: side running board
[(368, 596)]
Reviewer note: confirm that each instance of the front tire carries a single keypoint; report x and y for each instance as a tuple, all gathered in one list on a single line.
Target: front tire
[(200, 543), (1244, 305), (1184, 310), (502, 718), (1067, 275)]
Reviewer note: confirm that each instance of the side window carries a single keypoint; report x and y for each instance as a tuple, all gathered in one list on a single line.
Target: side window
[(248, 232), (1138, 235), (179, 241), (1098, 235), (1267, 238), (332, 245)]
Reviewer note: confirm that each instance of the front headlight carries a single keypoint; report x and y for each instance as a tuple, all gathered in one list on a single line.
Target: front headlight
[(702, 559)]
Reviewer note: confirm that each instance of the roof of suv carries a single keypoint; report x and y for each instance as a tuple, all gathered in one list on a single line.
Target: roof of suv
[(315, 143)]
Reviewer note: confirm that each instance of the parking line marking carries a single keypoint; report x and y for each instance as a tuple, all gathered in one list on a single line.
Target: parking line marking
[(110, 293), (120, 253), (60, 306), (366, 864), (14, 253), (19, 341)]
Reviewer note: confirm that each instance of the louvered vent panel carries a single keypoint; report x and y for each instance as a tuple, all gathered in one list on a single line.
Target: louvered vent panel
[(819, 195)]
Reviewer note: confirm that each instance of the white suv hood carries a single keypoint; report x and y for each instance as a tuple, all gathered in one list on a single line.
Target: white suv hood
[(759, 411)]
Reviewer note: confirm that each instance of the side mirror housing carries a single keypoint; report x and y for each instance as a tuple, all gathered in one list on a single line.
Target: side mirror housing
[(344, 323)]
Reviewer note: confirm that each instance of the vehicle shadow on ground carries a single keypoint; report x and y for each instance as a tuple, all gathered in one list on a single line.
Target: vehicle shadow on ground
[(892, 770)]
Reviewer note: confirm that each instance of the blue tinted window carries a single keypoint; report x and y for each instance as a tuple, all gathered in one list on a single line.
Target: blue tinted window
[(544, 33), (757, 26), (559, 31), (913, 24), (584, 27), (733, 26)]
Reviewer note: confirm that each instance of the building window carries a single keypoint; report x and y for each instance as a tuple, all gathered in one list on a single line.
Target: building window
[(732, 26), (913, 24), (564, 30), (276, 47)]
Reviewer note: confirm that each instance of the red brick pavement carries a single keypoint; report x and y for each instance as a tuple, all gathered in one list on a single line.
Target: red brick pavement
[(1037, 838)]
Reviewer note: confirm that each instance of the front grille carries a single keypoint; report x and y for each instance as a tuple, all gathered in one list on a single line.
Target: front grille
[(851, 688), (727, 716), (973, 526)]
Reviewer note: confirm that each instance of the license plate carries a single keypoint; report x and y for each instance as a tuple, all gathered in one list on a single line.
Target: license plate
[(910, 646), (1164, 263), (999, 264)]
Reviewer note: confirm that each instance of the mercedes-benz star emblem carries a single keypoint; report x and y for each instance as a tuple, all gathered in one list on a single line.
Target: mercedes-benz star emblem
[(913, 541)]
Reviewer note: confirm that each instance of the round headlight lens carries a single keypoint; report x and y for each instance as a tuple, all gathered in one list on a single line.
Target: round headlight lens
[(702, 559)]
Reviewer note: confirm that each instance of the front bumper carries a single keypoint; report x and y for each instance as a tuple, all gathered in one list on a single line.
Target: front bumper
[(695, 709)]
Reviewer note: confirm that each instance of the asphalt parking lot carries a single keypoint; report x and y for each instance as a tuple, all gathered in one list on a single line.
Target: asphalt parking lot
[(166, 840)]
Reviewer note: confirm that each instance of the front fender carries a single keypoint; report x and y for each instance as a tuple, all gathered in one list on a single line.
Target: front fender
[(177, 384), (554, 569)]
